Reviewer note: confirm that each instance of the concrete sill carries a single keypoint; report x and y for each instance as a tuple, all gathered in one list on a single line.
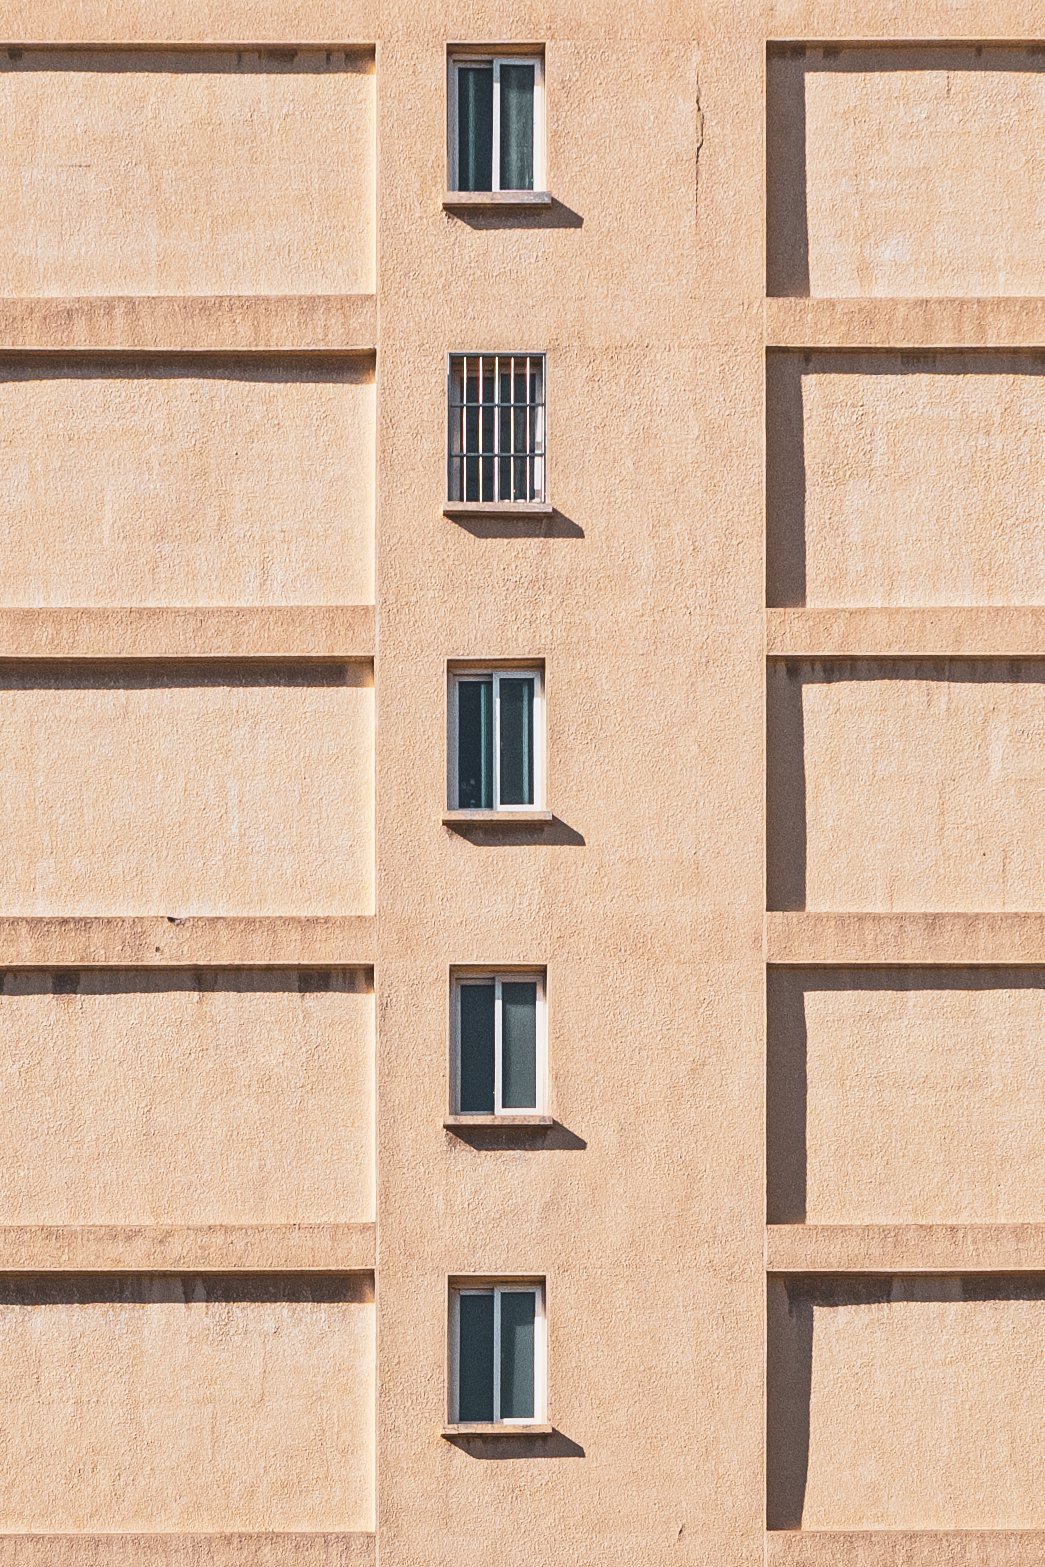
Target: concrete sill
[(467, 511), (496, 200), (511, 1123), (497, 819), (497, 1428)]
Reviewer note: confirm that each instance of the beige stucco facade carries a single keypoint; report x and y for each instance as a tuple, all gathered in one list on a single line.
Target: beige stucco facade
[(789, 608)]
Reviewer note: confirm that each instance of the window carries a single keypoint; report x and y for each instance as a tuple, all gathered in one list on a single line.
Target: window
[(496, 759), (496, 123), (498, 1033), (497, 1354), (496, 445)]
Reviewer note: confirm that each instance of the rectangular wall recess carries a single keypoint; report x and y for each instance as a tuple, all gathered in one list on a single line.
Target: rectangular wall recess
[(186, 1096), (904, 785), (198, 1403), (179, 789), (906, 1402), (186, 480), (100, 174), (906, 1095), (906, 170), (905, 479)]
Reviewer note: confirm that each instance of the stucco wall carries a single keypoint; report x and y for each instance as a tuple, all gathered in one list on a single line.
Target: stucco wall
[(899, 478), (907, 1403), (906, 171), (100, 172), (186, 1097), (186, 481), (906, 1095), (906, 785), (178, 789), (186, 1403)]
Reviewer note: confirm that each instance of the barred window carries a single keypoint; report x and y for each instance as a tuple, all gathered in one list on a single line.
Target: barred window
[(496, 450)]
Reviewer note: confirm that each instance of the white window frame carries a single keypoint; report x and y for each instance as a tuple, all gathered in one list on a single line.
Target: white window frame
[(461, 57), (462, 977), (540, 1349), (498, 672)]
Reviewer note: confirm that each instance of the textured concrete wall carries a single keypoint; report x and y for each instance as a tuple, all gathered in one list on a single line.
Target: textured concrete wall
[(906, 171), (960, 517), (906, 1095), (186, 1097), (101, 182), (906, 785), (907, 1403), (186, 481), (181, 789), (144, 1402)]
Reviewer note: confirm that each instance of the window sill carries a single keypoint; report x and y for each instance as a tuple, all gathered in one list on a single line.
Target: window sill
[(511, 1123), (497, 818), (463, 511), (495, 200), (498, 1428)]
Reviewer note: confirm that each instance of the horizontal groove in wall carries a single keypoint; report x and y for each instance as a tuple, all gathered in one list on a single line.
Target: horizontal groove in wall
[(857, 939), (187, 1550), (299, 324), (274, 941), (905, 633), (905, 1248), (190, 1248), (905, 1548), (325, 632), (905, 323)]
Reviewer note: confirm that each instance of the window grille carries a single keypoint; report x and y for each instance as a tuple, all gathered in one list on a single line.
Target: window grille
[(496, 427)]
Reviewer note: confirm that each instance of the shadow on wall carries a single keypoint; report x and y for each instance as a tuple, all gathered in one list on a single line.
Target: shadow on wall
[(522, 1446), (793, 1304), (493, 834), (557, 216), (554, 527), (536, 1139)]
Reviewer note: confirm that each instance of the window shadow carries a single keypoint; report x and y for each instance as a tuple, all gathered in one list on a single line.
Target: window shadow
[(522, 1446), (554, 527), (557, 216), (490, 834), (787, 1094), (785, 787), (539, 1139)]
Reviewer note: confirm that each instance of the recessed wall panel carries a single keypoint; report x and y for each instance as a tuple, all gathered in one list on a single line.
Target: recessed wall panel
[(194, 1096), (187, 789), (137, 171), (203, 1404), (905, 479), (186, 481), (906, 171), (906, 1403), (906, 1096), (906, 785)]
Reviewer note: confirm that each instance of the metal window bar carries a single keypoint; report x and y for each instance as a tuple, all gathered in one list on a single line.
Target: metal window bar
[(496, 427)]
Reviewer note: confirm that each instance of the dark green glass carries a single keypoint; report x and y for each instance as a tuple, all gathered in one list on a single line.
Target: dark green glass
[(475, 127), (517, 127), (475, 1359), (519, 1044), (475, 745), (518, 1333), (516, 713), (476, 1049)]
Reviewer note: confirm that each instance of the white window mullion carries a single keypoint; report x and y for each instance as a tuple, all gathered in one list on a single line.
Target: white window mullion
[(496, 1354), (496, 742), (495, 172), (497, 496), (498, 1037)]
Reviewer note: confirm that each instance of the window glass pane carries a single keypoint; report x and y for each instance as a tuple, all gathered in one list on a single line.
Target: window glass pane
[(474, 127), (516, 714), (476, 1047), (517, 127), (519, 1044), (475, 1358), (475, 745), (518, 1317)]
